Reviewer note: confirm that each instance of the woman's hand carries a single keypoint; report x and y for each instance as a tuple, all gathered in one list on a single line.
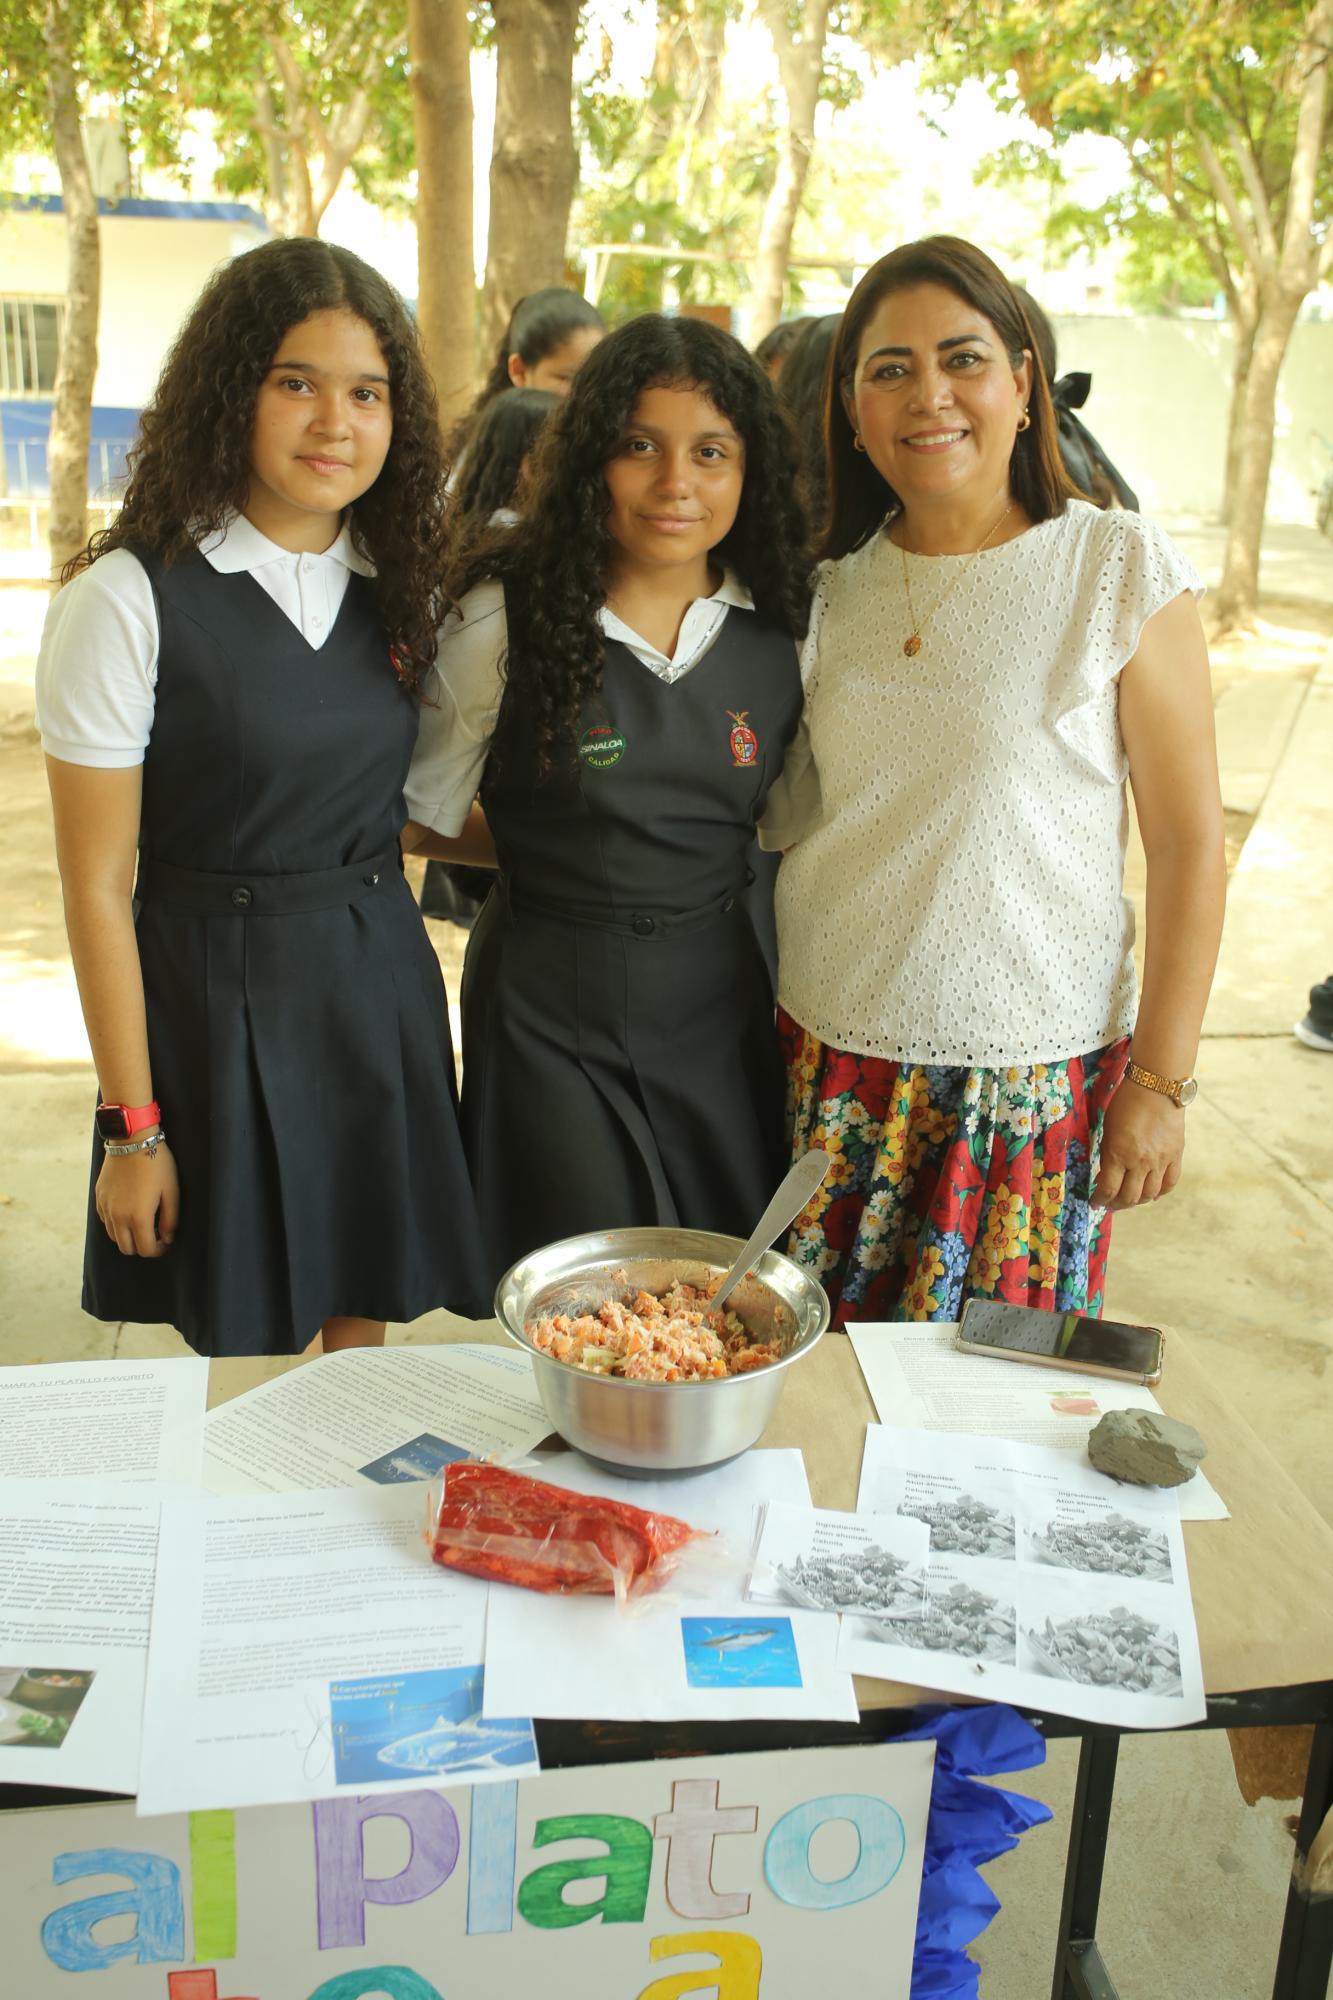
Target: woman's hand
[(1143, 1143), (138, 1201)]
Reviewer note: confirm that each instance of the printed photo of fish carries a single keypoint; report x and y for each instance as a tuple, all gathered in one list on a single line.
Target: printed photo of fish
[(421, 1457), (423, 1725), (740, 1652)]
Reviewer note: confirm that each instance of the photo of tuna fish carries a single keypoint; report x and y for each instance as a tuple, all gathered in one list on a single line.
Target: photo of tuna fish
[(422, 1457), (423, 1725), (740, 1652)]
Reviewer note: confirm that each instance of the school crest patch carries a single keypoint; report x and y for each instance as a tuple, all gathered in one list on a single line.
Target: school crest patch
[(744, 742), (601, 747)]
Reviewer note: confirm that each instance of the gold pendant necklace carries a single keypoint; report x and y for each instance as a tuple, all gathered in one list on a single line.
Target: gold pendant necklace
[(912, 643)]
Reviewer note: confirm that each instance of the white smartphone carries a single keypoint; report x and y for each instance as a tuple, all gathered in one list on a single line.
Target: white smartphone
[(1062, 1340)]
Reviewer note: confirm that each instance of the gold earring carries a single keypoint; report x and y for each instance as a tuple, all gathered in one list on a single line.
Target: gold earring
[(856, 441), (1024, 422)]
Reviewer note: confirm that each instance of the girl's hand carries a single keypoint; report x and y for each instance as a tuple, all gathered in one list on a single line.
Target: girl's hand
[(1143, 1143), (138, 1201)]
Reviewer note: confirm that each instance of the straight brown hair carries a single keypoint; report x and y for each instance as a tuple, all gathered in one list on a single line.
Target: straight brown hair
[(859, 499)]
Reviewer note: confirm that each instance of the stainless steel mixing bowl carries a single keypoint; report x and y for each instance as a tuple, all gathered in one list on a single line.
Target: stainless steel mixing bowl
[(659, 1427)]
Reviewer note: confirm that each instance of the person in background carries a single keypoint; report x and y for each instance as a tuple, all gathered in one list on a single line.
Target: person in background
[(488, 494), (550, 335), (802, 390), (1087, 465), (1316, 1030), (229, 690), (776, 345), (493, 475), (624, 685), (989, 659)]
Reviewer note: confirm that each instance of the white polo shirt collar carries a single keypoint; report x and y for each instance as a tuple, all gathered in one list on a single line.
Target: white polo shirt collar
[(240, 546)]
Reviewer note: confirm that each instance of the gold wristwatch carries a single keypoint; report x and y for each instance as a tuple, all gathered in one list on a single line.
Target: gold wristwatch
[(1181, 1091)]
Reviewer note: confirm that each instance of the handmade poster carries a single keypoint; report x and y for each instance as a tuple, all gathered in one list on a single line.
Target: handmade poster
[(378, 1416), (1048, 1586), (76, 1587), (918, 1377), (699, 1649), (751, 1877), (304, 1646), (826, 1561), (133, 1420)]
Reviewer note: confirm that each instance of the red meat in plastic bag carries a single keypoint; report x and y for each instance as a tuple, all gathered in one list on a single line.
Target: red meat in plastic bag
[(512, 1529)]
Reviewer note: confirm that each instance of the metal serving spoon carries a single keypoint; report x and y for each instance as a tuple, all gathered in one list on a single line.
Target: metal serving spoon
[(793, 1192)]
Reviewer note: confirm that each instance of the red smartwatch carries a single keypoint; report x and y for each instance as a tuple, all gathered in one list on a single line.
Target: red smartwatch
[(122, 1121)]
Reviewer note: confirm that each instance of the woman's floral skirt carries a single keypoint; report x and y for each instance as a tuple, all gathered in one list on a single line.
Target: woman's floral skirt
[(950, 1184)]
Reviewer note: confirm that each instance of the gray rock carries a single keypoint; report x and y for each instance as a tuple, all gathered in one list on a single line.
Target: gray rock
[(1146, 1449)]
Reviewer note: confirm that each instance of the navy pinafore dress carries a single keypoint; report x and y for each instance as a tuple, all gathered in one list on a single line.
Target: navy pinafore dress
[(620, 1059), (297, 1023)]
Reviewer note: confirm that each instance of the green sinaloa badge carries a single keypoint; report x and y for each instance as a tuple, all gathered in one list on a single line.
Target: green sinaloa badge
[(600, 748)]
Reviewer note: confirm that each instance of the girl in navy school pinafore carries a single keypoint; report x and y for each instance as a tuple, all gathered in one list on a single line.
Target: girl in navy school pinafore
[(620, 1062), (297, 1026)]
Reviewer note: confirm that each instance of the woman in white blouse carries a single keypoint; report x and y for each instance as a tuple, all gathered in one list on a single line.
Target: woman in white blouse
[(990, 658)]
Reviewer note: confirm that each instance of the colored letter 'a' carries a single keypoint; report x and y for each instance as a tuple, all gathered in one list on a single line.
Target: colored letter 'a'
[(626, 1866), (154, 1901), (734, 1977)]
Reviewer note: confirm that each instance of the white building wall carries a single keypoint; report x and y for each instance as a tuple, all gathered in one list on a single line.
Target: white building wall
[(1160, 395), (153, 268)]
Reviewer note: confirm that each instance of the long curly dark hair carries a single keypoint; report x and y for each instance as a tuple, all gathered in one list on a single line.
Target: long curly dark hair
[(490, 474), (557, 561), (801, 387), (189, 470)]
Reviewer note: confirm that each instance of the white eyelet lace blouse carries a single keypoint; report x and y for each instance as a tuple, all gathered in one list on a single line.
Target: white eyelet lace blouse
[(961, 900)]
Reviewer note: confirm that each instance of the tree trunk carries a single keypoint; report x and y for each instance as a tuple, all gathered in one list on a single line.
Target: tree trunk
[(1237, 602), (71, 416), (800, 66), (533, 160), (1282, 292), (265, 122), (1244, 322), (440, 47)]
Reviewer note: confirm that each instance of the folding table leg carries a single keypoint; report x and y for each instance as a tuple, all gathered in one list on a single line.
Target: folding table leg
[(1079, 1972), (1306, 1952)]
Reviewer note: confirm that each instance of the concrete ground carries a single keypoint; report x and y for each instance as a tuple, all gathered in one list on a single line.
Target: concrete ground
[(1239, 1256)]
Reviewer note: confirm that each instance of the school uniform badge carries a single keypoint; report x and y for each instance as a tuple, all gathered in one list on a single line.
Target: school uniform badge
[(744, 742), (601, 747)]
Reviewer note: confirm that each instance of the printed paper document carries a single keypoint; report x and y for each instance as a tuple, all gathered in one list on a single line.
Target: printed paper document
[(139, 1420), (76, 1585), (917, 1376), (387, 1416), (841, 1562), (1048, 1585), (305, 1646)]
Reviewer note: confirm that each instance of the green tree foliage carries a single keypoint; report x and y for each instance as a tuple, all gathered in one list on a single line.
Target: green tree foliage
[(300, 97), (667, 163), (59, 61), (675, 160), (1223, 110), (125, 66)]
